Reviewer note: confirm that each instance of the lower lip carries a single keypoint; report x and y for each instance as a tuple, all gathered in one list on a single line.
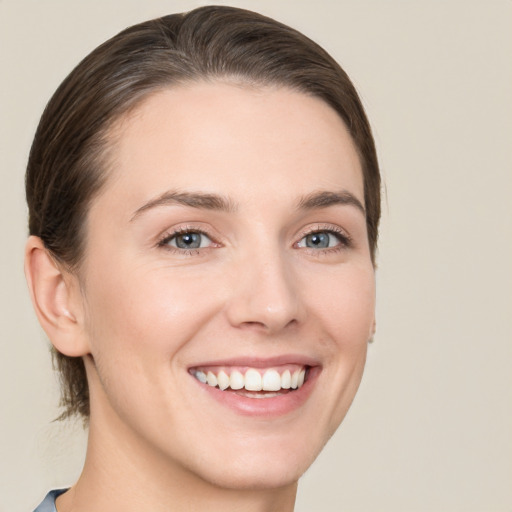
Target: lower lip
[(264, 407)]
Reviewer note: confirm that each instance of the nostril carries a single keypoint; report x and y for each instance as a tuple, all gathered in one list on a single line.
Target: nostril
[(267, 326), (253, 325)]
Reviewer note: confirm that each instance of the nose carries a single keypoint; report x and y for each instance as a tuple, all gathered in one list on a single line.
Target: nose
[(264, 295)]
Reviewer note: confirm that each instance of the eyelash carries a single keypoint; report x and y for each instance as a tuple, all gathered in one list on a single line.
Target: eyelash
[(167, 237), (343, 238), (345, 241)]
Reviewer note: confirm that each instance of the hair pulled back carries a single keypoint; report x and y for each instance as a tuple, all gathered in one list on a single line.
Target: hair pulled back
[(69, 157)]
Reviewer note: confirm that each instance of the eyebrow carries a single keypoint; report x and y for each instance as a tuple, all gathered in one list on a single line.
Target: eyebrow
[(324, 199), (193, 199), (200, 200)]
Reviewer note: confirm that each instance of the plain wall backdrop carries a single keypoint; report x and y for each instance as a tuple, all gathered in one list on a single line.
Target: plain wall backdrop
[(431, 427)]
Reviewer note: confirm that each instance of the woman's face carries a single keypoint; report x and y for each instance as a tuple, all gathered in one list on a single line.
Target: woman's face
[(228, 245)]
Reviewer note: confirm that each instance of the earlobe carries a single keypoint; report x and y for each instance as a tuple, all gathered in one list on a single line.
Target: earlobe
[(372, 331), (56, 299)]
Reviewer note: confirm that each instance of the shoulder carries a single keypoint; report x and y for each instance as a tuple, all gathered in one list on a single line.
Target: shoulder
[(48, 504)]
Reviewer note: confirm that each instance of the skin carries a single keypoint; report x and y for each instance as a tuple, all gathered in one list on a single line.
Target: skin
[(141, 313)]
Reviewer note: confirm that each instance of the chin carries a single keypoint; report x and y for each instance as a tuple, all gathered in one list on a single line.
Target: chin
[(260, 465), (268, 474)]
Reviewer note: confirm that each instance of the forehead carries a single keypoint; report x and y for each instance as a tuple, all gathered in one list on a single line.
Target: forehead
[(222, 137)]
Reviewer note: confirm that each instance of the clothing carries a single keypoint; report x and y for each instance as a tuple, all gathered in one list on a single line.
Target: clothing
[(48, 504)]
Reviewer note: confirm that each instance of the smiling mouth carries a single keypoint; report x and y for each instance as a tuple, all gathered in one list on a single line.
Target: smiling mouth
[(253, 382)]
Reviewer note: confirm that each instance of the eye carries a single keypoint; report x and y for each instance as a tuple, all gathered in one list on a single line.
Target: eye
[(187, 240), (322, 240)]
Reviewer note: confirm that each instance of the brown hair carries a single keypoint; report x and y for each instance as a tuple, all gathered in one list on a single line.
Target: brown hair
[(67, 163)]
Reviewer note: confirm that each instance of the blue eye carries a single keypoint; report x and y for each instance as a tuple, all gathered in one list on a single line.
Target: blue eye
[(321, 240), (187, 240)]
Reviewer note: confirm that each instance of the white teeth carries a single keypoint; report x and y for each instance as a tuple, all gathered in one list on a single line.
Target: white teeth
[(236, 380), (295, 379), (253, 380), (211, 379), (286, 380), (264, 395), (302, 375), (223, 380), (271, 381), (201, 377)]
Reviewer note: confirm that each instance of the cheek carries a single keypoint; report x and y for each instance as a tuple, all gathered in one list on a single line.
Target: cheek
[(151, 312), (345, 306), (352, 314), (138, 323), (344, 300)]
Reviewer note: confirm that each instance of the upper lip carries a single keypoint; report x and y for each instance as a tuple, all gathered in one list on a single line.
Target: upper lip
[(261, 362)]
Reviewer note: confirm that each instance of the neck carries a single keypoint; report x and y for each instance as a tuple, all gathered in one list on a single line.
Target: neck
[(122, 474)]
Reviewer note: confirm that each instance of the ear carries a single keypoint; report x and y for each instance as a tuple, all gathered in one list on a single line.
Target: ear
[(57, 300)]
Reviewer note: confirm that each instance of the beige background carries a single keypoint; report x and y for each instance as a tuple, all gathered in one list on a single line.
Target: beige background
[(431, 428)]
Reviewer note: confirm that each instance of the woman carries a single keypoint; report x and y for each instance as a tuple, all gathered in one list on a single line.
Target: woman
[(204, 198)]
